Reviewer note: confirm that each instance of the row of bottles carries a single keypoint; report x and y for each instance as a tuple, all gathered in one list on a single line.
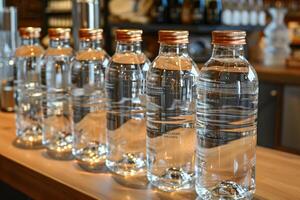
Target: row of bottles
[(243, 12), (168, 120), (228, 12), (188, 11)]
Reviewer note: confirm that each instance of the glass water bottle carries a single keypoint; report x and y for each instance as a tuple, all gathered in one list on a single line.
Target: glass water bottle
[(126, 123), (89, 101), (56, 78), (28, 93), (171, 134), (227, 97)]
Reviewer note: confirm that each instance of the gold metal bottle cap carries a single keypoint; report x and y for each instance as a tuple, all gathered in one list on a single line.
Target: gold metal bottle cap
[(92, 34), (229, 37), (173, 37), (59, 33), (30, 32), (129, 35)]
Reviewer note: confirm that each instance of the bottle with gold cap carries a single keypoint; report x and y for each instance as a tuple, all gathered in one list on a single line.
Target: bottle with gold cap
[(89, 101), (227, 98), (56, 79), (126, 124), (171, 134), (28, 93)]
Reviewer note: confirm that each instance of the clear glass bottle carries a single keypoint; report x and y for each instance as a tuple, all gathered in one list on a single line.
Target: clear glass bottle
[(56, 79), (28, 93), (89, 101), (227, 97), (171, 134), (126, 123)]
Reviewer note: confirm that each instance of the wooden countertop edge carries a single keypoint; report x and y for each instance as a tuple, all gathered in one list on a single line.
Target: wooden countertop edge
[(34, 184)]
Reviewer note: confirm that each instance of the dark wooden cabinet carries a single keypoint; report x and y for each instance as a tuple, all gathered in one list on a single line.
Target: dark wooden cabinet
[(30, 12), (269, 114)]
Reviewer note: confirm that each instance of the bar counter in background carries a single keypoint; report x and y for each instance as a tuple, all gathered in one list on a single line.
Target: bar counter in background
[(31, 172)]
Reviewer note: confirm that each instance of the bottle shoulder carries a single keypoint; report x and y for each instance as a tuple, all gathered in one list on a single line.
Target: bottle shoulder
[(92, 55), (130, 58), (224, 68), (174, 63), (68, 51), (29, 51)]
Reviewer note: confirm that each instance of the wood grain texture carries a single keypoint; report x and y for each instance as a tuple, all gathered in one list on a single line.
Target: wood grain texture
[(30, 171)]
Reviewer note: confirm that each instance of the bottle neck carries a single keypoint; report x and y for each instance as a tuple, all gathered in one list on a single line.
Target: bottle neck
[(90, 44), (62, 43), (173, 49), (129, 47), (227, 51), (30, 41)]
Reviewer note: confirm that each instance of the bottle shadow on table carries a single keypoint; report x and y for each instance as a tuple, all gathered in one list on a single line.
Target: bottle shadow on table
[(141, 183), (99, 170), (45, 155), (179, 195), (134, 182)]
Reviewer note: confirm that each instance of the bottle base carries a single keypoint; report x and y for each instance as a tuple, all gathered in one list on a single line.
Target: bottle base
[(129, 165), (224, 190), (29, 141), (172, 180), (60, 152), (91, 158)]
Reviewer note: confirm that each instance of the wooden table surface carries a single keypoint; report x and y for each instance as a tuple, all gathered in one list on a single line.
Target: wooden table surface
[(30, 171)]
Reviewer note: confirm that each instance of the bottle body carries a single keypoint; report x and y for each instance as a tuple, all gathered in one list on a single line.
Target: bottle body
[(227, 97), (89, 108), (28, 94), (171, 83), (126, 132), (56, 80)]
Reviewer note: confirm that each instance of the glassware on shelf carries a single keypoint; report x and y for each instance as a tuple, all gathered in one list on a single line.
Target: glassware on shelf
[(253, 13), (277, 41), (244, 11), (198, 11), (171, 134), (28, 91), (56, 80), (227, 98), (226, 16), (261, 13), (236, 13), (89, 101), (126, 123), (213, 11), (8, 44)]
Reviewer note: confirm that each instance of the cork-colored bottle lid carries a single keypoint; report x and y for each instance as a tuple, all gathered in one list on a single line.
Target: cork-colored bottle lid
[(129, 35), (91, 34), (59, 33), (30, 32), (231, 37), (173, 37)]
